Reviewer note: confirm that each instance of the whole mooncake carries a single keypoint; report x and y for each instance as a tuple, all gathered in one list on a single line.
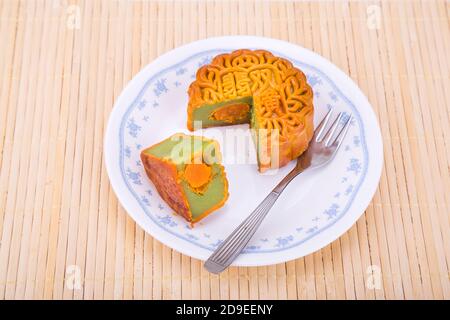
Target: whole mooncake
[(187, 173), (258, 88)]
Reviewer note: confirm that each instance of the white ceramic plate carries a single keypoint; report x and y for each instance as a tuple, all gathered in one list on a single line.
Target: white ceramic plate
[(315, 209)]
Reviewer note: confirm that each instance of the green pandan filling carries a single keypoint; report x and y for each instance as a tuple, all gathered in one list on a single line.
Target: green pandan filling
[(211, 196), (165, 149), (204, 113), (181, 149)]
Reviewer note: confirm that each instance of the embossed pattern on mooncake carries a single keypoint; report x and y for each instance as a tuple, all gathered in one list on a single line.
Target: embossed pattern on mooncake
[(282, 100)]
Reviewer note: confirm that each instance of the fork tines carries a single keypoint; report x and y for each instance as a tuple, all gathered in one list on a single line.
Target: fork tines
[(327, 136)]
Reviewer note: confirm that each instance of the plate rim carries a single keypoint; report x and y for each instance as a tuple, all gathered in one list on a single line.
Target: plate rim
[(165, 60)]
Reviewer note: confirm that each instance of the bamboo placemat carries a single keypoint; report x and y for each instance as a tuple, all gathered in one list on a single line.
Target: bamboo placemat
[(63, 233)]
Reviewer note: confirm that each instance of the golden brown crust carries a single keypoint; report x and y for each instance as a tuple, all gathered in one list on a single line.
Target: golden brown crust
[(164, 176), (282, 98)]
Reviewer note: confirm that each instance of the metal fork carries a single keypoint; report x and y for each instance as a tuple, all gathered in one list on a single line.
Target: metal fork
[(321, 150)]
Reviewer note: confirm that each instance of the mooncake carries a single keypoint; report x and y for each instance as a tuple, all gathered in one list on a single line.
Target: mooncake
[(260, 89), (187, 173)]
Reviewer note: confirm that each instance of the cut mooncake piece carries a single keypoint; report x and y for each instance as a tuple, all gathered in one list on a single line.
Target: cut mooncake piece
[(258, 88), (187, 173)]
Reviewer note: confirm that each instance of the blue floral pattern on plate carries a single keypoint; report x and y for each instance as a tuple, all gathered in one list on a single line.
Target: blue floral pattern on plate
[(175, 80)]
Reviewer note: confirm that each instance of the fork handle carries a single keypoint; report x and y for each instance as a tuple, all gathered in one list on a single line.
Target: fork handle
[(232, 246)]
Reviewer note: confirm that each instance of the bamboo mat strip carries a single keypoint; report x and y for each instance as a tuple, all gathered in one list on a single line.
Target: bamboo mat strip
[(64, 62)]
